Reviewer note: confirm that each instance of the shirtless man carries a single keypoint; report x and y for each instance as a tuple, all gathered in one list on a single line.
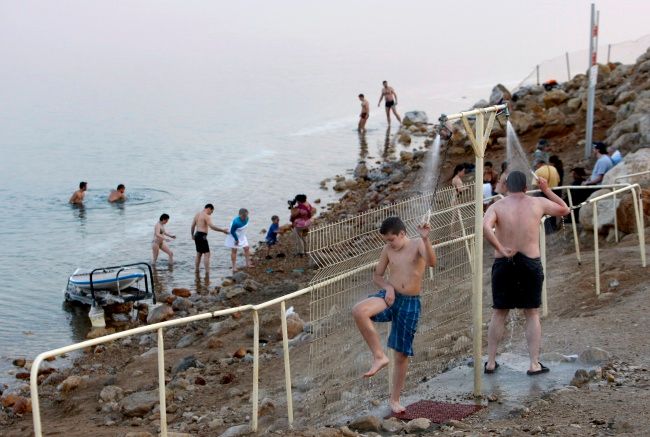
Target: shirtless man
[(398, 301), (365, 113), (78, 196), (390, 96), (511, 225), (117, 195), (202, 221), (158, 243)]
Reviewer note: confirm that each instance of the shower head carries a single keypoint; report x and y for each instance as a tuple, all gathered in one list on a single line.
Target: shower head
[(444, 130)]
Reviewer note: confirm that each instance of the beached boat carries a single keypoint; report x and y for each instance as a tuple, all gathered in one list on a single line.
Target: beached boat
[(108, 285)]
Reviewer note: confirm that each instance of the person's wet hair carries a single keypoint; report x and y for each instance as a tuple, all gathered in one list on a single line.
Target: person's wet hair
[(392, 225), (243, 211), (82, 185), (209, 206), (384, 82), (164, 217), (516, 182), (120, 187), (361, 95)]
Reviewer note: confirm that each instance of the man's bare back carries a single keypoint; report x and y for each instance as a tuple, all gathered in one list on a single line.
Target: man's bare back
[(202, 222), (78, 197)]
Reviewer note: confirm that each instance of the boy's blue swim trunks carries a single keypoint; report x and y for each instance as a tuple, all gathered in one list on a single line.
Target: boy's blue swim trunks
[(404, 313)]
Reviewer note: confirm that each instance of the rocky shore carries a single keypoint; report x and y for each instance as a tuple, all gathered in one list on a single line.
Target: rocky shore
[(112, 388)]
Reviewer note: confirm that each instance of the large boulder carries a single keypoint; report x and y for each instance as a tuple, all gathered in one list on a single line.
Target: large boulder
[(554, 98), (499, 94), (415, 117), (625, 212), (160, 314), (636, 162), (606, 210), (139, 404)]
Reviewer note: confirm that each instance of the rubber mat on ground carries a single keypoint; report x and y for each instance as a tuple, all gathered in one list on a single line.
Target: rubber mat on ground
[(437, 412)]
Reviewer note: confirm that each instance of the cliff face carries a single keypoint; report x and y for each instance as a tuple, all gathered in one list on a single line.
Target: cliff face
[(621, 117)]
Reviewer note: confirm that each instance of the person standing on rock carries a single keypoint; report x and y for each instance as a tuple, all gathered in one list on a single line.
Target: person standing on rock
[(398, 301), (237, 238), (199, 230), (365, 113), (390, 96), (511, 226), (301, 214)]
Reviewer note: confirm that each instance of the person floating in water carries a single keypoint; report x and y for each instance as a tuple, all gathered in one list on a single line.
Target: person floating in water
[(398, 301), (365, 113), (199, 230), (390, 96), (511, 225), (78, 196), (237, 238), (117, 195), (158, 243)]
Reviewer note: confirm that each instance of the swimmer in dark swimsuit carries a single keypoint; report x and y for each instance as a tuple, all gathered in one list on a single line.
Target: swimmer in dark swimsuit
[(365, 113), (200, 225), (389, 94)]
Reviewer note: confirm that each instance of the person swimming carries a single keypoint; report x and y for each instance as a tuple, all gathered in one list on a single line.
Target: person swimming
[(78, 196), (117, 195)]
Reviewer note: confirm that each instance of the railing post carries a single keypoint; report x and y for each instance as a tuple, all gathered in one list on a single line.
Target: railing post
[(161, 384), (33, 384), (542, 250), (256, 368), (287, 363), (574, 227), (596, 258), (615, 217), (638, 213)]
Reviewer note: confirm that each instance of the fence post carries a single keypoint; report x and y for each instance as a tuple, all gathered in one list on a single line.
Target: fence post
[(162, 393), (596, 257), (568, 66), (609, 51), (615, 217), (542, 249), (287, 363), (256, 368), (574, 227), (638, 213), (537, 70)]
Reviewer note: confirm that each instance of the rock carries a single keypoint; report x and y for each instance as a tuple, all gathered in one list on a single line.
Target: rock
[(182, 304), (554, 98), (361, 171), (267, 407), (54, 379), (481, 104), (71, 383), (555, 357), (394, 425), (404, 138), (111, 393), (139, 404), (606, 210), (233, 291), (624, 97), (347, 432), (636, 162), (251, 285), (22, 375), (19, 362), (181, 292), (21, 406), (295, 325), (160, 314), (522, 121), (580, 378), (458, 424), (625, 212), (200, 381), (239, 353), (186, 341), (140, 434), (462, 344), (240, 277), (594, 355), (366, 423), (99, 332), (574, 103), (499, 94), (416, 117), (644, 67), (186, 363), (236, 431), (226, 378), (417, 425), (215, 343)]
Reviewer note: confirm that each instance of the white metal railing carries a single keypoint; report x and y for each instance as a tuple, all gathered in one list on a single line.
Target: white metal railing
[(631, 175)]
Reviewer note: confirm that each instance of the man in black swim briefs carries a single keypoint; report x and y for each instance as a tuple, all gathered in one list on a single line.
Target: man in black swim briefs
[(511, 225), (202, 221), (365, 113), (389, 94)]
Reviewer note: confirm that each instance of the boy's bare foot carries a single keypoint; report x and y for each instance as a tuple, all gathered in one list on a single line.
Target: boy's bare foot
[(396, 407), (377, 365)]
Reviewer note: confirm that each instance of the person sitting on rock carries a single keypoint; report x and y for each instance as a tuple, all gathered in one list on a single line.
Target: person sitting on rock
[(603, 165), (398, 301)]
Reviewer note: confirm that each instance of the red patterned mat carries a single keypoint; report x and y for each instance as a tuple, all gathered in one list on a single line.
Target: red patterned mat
[(437, 412)]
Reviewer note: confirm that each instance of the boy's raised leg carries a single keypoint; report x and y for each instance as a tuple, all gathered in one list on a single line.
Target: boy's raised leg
[(399, 377), (362, 312)]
